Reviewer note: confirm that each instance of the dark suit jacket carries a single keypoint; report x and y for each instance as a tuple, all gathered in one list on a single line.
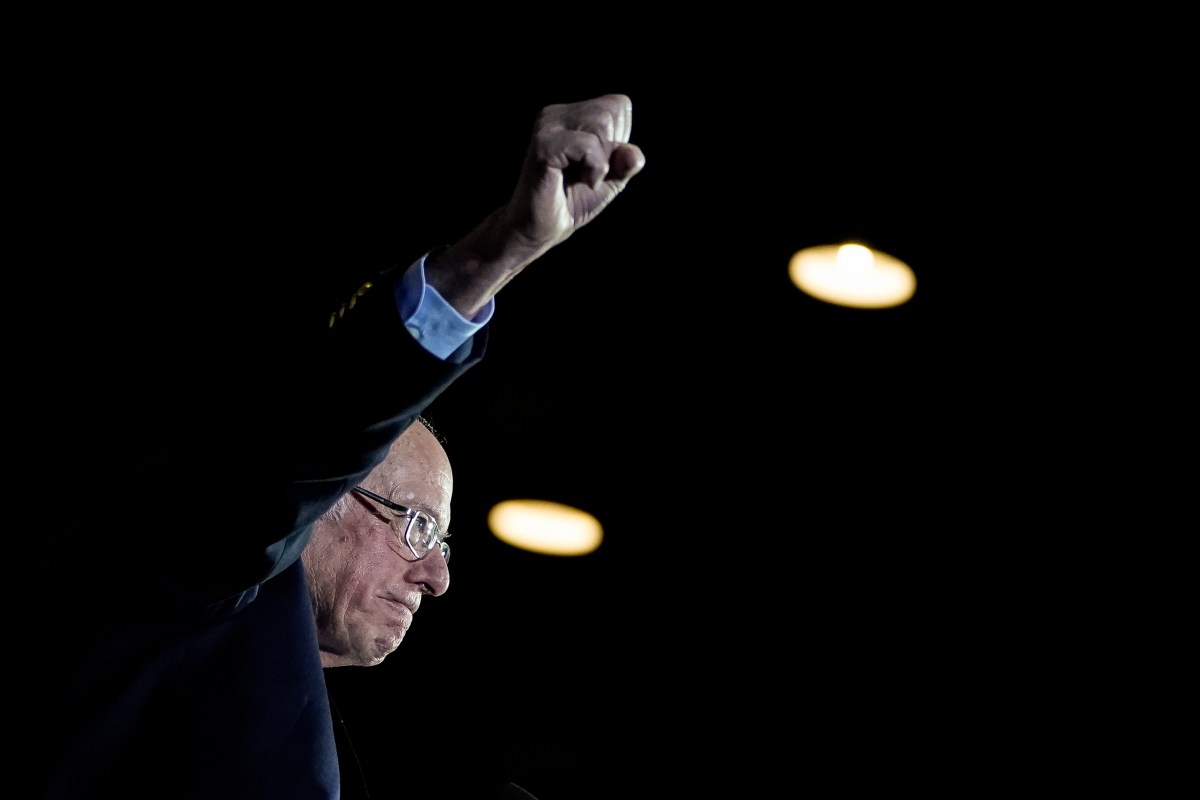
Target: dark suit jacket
[(185, 657)]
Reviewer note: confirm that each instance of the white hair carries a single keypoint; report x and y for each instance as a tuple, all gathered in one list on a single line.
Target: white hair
[(338, 510)]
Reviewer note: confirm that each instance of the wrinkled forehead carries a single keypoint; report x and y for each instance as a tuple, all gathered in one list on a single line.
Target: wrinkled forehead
[(416, 473)]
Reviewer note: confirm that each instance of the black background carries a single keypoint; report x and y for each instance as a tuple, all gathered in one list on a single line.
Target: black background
[(802, 503), (789, 591)]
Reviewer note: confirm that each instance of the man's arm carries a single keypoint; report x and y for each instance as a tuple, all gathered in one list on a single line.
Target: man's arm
[(579, 159)]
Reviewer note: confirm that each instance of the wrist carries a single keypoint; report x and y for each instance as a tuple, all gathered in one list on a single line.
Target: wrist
[(470, 272)]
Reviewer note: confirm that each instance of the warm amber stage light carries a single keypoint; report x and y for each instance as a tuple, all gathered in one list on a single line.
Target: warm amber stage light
[(853, 275), (541, 526)]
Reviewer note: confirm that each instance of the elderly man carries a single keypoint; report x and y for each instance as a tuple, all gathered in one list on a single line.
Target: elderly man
[(251, 485)]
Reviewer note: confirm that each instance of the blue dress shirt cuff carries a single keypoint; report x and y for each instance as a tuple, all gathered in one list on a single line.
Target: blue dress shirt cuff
[(432, 321)]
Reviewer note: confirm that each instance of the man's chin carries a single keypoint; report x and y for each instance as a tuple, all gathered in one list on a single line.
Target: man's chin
[(384, 646)]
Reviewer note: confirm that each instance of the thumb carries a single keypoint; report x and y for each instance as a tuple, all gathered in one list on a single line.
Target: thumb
[(625, 161)]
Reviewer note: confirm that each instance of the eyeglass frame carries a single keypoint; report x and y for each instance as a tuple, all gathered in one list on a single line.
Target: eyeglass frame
[(411, 515)]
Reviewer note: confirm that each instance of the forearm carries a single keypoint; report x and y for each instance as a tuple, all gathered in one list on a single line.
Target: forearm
[(469, 273)]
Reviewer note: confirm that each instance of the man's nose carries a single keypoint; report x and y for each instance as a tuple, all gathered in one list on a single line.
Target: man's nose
[(432, 573)]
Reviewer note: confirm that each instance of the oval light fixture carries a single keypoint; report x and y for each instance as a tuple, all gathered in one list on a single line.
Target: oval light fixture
[(541, 526), (852, 275)]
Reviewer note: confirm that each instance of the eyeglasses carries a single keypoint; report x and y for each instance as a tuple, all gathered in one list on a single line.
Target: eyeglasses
[(416, 528)]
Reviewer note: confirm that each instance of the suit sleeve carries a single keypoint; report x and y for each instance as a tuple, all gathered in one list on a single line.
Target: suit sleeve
[(227, 451)]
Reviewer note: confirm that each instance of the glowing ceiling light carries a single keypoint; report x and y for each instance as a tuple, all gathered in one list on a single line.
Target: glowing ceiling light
[(541, 526), (852, 275)]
